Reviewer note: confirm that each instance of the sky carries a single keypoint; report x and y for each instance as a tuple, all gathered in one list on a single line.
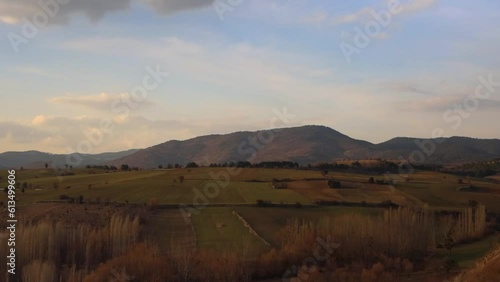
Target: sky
[(109, 75)]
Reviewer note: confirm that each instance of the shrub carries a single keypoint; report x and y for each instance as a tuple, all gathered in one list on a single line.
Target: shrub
[(334, 183), (64, 197)]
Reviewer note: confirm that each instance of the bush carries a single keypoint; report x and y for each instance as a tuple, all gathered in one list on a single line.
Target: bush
[(64, 197), (334, 184), (262, 203), (192, 165)]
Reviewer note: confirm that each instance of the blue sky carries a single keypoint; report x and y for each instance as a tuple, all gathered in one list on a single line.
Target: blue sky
[(229, 74)]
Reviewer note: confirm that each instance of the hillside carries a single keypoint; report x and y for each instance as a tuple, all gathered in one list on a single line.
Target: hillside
[(307, 144), (448, 150), (486, 270), (36, 159)]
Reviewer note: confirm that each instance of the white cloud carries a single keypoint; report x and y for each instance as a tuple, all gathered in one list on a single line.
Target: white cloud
[(413, 6), (8, 20), (11, 12), (361, 15), (55, 133), (447, 102), (315, 18), (31, 70), (172, 6), (365, 14), (101, 101)]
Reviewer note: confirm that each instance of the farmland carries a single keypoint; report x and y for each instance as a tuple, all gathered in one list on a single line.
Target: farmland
[(243, 212)]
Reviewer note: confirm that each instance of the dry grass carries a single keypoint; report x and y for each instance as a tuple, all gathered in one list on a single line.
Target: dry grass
[(351, 191), (486, 270)]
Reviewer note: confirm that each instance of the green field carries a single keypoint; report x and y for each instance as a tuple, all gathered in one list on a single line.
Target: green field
[(220, 229), (268, 222), (163, 185), (467, 254), (440, 191)]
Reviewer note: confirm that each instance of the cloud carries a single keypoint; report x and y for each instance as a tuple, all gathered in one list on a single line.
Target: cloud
[(364, 14), (315, 18), (12, 12), (58, 134), (21, 133), (31, 70), (361, 15), (103, 101), (168, 7), (448, 102), (8, 20), (412, 87), (92, 9), (413, 6)]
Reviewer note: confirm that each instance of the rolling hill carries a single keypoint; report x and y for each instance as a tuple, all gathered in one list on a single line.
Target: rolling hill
[(305, 144), (36, 159)]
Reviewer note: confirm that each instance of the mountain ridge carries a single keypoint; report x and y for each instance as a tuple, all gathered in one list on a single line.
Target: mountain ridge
[(304, 144)]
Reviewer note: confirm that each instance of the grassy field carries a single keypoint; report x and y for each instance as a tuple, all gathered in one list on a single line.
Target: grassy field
[(163, 185), (467, 254), (220, 229), (268, 222), (169, 229), (351, 192), (246, 186), (440, 190)]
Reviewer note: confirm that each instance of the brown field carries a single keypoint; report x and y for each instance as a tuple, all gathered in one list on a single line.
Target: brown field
[(69, 214), (494, 177), (350, 192), (169, 230)]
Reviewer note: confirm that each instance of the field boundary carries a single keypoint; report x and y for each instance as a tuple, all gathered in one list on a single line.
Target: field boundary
[(252, 231)]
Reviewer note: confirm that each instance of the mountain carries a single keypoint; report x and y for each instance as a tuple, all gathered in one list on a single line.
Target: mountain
[(447, 150), (307, 144), (301, 144), (36, 159)]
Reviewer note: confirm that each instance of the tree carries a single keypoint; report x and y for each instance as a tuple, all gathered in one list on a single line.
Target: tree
[(192, 165), (334, 183), (46, 165), (124, 167), (371, 180), (449, 243), (160, 166)]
